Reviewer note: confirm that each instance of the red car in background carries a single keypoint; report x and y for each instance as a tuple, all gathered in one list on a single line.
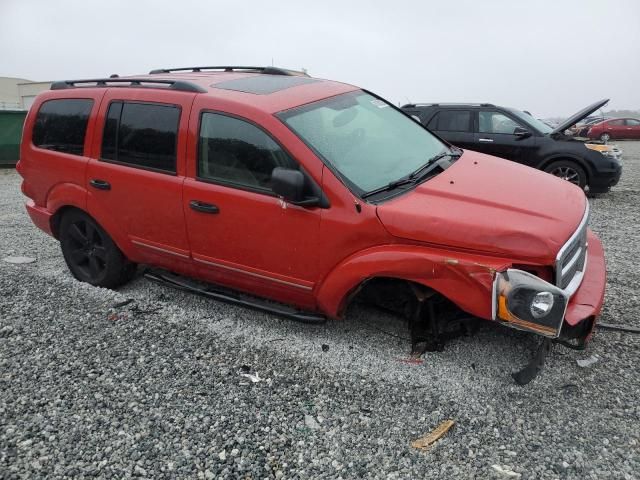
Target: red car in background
[(615, 128)]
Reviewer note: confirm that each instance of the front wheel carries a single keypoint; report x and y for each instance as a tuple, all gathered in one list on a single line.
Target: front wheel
[(569, 171), (90, 253), (605, 137)]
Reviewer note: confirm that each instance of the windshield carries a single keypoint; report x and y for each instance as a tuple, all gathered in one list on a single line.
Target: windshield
[(365, 139), (534, 122)]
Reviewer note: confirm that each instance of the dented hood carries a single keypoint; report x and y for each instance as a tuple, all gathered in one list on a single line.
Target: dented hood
[(486, 204)]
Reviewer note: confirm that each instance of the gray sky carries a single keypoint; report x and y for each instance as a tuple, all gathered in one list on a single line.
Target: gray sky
[(549, 57)]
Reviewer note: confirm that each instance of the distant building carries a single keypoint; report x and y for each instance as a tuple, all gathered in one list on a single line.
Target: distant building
[(16, 97), (19, 93)]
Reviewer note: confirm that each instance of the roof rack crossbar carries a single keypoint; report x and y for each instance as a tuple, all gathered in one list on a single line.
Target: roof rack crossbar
[(179, 85), (232, 68)]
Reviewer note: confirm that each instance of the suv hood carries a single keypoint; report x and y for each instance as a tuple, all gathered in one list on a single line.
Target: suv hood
[(576, 117), (486, 204)]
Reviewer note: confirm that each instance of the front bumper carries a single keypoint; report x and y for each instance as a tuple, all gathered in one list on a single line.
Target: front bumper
[(575, 314), (586, 302), (601, 182)]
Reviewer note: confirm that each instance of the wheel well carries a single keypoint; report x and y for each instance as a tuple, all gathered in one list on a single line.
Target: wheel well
[(393, 294), (57, 218), (577, 161)]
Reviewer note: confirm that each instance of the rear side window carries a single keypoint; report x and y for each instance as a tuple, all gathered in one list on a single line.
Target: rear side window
[(142, 135), (237, 152), (451, 121), (61, 125)]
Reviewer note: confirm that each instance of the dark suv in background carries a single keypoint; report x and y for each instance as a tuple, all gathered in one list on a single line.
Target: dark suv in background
[(515, 135)]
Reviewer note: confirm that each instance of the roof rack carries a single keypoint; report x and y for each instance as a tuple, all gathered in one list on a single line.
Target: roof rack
[(232, 68), (180, 85), (437, 104)]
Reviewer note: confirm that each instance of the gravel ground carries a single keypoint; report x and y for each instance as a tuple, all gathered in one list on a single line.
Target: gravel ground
[(154, 388)]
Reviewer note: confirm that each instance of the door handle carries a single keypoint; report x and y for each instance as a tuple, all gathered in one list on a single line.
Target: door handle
[(487, 140), (203, 207), (100, 184)]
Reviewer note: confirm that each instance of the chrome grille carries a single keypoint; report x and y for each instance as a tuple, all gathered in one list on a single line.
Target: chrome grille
[(572, 257)]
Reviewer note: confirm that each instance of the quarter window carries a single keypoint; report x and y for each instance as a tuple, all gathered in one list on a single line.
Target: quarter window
[(61, 125), (235, 151), (495, 122), (451, 121), (142, 135)]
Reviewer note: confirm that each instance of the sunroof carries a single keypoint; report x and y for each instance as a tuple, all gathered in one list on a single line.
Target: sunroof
[(264, 84)]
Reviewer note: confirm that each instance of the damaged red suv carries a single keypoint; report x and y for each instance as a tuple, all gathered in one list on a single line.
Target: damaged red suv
[(292, 194)]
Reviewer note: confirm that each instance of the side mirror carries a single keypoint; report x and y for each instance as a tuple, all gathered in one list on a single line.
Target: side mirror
[(521, 133), (289, 184)]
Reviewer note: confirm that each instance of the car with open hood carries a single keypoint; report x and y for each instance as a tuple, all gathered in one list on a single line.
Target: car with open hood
[(514, 135), (297, 195)]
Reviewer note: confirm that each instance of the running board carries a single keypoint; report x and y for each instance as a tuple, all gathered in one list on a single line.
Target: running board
[(230, 296)]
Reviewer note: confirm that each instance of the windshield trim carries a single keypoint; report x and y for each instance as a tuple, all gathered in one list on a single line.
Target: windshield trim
[(283, 115)]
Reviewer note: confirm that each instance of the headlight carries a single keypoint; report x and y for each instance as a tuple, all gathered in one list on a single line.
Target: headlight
[(609, 153), (527, 302), (607, 150), (541, 304)]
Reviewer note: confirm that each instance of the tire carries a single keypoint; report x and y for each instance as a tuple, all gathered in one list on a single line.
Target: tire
[(91, 255), (605, 137), (569, 171)]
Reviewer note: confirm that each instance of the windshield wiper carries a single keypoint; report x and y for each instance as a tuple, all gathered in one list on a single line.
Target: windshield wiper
[(416, 175), (390, 186)]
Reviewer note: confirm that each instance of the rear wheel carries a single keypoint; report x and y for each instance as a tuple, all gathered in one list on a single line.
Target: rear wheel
[(90, 253), (605, 137), (569, 171)]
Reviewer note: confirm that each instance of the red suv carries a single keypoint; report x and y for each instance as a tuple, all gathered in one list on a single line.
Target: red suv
[(302, 191)]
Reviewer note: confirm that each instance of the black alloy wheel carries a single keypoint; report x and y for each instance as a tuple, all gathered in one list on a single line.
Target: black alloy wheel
[(90, 253), (569, 171)]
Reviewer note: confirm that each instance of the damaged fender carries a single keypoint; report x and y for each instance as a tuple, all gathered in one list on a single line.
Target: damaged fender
[(465, 279)]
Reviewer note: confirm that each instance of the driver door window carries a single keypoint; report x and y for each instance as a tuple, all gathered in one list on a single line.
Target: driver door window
[(495, 122), (236, 152)]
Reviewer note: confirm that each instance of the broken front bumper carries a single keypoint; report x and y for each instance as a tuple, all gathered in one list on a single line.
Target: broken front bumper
[(585, 304), (564, 314)]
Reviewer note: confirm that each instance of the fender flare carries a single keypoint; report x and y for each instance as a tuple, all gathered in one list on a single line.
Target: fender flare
[(66, 195), (62, 196), (465, 279)]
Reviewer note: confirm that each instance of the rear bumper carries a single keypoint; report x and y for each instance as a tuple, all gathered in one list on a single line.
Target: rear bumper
[(586, 303), (40, 216)]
